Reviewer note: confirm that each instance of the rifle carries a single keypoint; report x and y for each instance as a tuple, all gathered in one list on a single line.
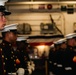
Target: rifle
[(54, 24)]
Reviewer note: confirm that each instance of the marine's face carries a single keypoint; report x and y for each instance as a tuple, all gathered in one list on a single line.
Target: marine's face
[(71, 42), (2, 20), (12, 36), (63, 45)]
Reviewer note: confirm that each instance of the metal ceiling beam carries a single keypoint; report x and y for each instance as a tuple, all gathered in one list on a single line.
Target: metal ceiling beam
[(41, 2)]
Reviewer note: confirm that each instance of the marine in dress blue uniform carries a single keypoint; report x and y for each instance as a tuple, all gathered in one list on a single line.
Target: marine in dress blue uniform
[(3, 12), (22, 53), (50, 64), (54, 58), (8, 59), (60, 56), (69, 54)]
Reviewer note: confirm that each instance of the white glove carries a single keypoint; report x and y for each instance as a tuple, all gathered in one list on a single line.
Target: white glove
[(21, 71), (28, 63), (32, 65), (29, 67), (30, 71)]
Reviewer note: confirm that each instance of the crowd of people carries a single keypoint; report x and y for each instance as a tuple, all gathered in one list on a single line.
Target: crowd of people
[(14, 58), (62, 56)]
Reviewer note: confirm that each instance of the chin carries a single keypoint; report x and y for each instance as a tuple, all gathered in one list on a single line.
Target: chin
[(1, 28)]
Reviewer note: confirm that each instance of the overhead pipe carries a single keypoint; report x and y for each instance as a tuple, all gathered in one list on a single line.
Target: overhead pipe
[(41, 2)]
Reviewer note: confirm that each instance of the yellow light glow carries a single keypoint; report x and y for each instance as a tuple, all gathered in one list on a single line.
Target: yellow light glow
[(41, 47)]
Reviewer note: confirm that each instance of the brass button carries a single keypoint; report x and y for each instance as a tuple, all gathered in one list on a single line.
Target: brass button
[(14, 64), (12, 52), (4, 63), (2, 56), (4, 70), (9, 44), (6, 58), (11, 57), (1, 49)]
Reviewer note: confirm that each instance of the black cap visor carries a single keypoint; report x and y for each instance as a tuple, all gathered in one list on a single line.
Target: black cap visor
[(6, 12), (3, 9)]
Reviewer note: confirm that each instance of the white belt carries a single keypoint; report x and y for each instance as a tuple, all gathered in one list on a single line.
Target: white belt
[(59, 65), (68, 68), (12, 73)]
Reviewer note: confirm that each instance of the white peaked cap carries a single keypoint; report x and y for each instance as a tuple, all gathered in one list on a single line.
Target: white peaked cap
[(61, 41), (21, 38), (9, 27), (56, 42), (71, 35), (2, 2)]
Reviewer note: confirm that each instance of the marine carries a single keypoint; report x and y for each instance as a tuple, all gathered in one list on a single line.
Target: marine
[(8, 59)]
